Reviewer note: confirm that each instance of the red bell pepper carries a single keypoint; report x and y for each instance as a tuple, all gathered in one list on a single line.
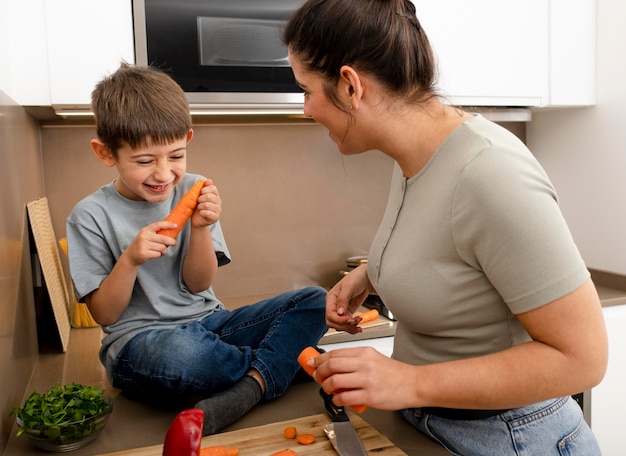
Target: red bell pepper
[(184, 435)]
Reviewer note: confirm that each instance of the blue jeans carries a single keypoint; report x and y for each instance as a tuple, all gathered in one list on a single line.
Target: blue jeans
[(168, 366), (554, 427)]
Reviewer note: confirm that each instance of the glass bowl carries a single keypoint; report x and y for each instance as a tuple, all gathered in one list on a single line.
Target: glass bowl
[(69, 436)]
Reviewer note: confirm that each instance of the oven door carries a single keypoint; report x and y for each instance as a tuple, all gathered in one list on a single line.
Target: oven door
[(216, 45)]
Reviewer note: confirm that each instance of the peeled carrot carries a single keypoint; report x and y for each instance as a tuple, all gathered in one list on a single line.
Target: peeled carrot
[(310, 353), (290, 432), (285, 453), (218, 451), (303, 358), (305, 439), (368, 316), (183, 210)]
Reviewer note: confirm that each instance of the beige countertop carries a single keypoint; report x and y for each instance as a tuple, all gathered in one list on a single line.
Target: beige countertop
[(134, 425)]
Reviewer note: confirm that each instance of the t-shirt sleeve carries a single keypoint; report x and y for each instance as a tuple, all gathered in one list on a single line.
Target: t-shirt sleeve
[(514, 231), (92, 264), (219, 244)]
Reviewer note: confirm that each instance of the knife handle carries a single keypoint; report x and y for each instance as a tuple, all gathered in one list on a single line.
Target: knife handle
[(336, 412)]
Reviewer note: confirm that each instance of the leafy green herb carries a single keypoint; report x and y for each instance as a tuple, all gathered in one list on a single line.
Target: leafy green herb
[(52, 411)]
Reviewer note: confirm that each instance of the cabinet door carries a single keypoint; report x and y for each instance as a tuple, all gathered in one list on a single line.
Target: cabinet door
[(490, 52), (86, 41), (24, 71), (608, 399)]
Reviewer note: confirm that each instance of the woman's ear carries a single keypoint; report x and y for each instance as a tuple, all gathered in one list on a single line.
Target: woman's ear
[(350, 86), (102, 152)]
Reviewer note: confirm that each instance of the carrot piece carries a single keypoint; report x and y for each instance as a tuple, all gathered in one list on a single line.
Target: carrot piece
[(310, 353), (183, 210), (285, 453), (218, 451), (368, 316), (290, 432), (305, 439), (303, 358)]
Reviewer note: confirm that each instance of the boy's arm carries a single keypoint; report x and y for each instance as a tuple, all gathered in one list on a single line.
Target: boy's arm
[(199, 268), (107, 303)]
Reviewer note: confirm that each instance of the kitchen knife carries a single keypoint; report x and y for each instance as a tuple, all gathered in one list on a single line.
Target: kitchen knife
[(340, 432)]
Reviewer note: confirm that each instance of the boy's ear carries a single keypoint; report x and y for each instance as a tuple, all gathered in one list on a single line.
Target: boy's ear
[(102, 152), (189, 136)]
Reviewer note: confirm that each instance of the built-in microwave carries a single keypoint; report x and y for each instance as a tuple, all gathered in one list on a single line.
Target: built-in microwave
[(226, 55)]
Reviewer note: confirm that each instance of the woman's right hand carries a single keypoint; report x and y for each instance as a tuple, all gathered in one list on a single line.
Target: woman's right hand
[(345, 298)]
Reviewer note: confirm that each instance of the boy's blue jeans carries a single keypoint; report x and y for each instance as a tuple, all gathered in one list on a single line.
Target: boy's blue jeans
[(195, 360), (555, 427)]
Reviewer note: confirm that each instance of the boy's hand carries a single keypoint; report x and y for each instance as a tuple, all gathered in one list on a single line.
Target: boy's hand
[(148, 244), (209, 206)]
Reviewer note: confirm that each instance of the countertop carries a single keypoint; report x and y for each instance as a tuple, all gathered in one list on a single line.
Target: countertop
[(134, 425)]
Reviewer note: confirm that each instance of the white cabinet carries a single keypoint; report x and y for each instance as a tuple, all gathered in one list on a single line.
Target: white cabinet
[(24, 71), (491, 52), (608, 400), (59, 49), (513, 53), (87, 40)]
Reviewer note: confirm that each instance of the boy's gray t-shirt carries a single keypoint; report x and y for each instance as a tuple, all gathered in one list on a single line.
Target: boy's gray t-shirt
[(473, 239), (99, 229)]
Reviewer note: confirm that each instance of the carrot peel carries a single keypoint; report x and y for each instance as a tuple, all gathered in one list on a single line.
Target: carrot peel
[(183, 210)]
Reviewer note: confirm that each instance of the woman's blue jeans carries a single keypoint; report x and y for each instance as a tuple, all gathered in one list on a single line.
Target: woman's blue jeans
[(555, 427), (195, 360)]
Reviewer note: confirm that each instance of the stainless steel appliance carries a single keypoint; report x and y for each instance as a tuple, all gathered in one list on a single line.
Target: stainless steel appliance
[(226, 55)]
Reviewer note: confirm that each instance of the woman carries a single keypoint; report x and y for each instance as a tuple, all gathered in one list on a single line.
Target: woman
[(498, 319)]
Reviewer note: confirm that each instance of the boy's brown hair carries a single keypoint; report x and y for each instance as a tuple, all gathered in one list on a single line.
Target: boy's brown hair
[(139, 103)]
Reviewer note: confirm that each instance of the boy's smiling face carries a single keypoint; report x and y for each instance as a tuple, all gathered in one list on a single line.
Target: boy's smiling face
[(149, 173)]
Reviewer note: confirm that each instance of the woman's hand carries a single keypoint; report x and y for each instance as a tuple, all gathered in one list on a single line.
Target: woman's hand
[(365, 376), (345, 298)]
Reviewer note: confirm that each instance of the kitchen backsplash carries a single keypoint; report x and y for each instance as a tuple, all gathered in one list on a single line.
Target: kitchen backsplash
[(294, 207)]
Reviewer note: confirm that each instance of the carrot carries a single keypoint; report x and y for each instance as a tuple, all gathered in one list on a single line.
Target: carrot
[(218, 451), (303, 358), (183, 210), (310, 353), (305, 439), (290, 432), (368, 316), (285, 453)]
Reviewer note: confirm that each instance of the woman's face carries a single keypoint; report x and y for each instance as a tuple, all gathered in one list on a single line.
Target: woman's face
[(340, 124)]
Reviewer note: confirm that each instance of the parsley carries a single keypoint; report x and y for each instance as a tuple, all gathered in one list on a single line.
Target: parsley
[(52, 411)]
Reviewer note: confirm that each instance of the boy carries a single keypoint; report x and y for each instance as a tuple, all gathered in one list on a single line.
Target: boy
[(168, 338)]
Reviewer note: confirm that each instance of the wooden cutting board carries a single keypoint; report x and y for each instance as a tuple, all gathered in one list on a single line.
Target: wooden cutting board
[(268, 439)]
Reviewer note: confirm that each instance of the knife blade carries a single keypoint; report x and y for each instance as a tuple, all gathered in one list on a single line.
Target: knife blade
[(340, 431)]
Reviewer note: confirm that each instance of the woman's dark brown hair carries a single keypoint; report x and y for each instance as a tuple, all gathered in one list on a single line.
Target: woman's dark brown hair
[(382, 38), (137, 103)]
